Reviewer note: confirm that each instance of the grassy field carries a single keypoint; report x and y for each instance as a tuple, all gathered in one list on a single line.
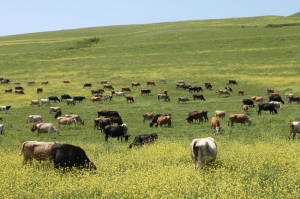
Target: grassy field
[(252, 162)]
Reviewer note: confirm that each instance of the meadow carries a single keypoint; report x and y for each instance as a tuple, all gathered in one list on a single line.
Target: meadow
[(256, 161)]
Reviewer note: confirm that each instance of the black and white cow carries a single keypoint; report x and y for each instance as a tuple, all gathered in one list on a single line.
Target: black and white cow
[(5, 108)]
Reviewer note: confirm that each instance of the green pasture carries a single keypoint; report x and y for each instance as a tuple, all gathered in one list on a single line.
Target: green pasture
[(256, 161)]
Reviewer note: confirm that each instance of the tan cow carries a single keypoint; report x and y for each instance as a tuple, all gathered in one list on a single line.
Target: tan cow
[(35, 102), (100, 123), (125, 89), (238, 118), (164, 120), (76, 117), (215, 125), (8, 90), (151, 83), (65, 121), (147, 116), (34, 118), (96, 99), (220, 114), (259, 99), (245, 108), (163, 96), (45, 128), (40, 151), (45, 101), (135, 84), (103, 82), (223, 92), (277, 105), (30, 82), (45, 82), (240, 92), (183, 99), (54, 109)]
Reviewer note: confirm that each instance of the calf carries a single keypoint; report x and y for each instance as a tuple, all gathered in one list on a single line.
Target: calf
[(215, 125), (142, 139), (245, 108), (240, 92), (39, 90), (129, 98)]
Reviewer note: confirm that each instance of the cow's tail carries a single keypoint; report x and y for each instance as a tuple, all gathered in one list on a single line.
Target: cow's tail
[(22, 149), (194, 150)]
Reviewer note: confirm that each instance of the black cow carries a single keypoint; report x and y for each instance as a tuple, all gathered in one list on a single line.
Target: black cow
[(65, 96), (145, 91), (294, 99), (78, 98), (231, 81), (107, 113), (208, 85), (68, 155), (5, 108), (197, 115), (57, 114), (228, 88), (195, 89), (154, 120), (198, 96), (142, 139), (19, 88), (116, 131), (276, 98), (115, 119), (53, 98), (87, 85), (266, 107), (248, 102)]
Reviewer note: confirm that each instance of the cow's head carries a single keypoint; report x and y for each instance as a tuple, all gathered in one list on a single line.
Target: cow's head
[(217, 130), (126, 137)]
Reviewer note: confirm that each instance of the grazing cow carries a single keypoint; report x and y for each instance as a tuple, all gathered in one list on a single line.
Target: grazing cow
[(76, 117), (163, 96), (115, 119), (135, 84), (288, 95), (294, 128), (228, 88), (17, 83), (96, 99), (66, 81), (183, 99), (231, 81), (145, 91), (239, 118), (34, 118), (30, 82), (163, 80), (39, 90), (8, 90), (45, 101), (78, 98), (108, 86), (220, 114), (57, 114), (208, 85), (277, 105), (215, 125), (1, 129), (274, 94), (258, 99), (19, 88), (103, 82), (53, 98), (70, 102), (100, 123), (65, 121), (266, 107), (142, 139), (68, 155), (54, 109), (198, 96), (87, 85), (294, 98), (276, 98), (5, 81), (65, 96), (240, 92), (97, 91), (106, 97), (181, 81), (147, 116), (269, 91), (195, 89), (116, 131), (129, 98), (180, 85), (125, 89), (195, 115), (45, 82), (1, 118), (203, 150), (107, 113), (45, 128), (154, 120), (248, 102), (35, 102), (223, 92), (41, 151), (119, 94), (151, 83), (19, 92), (245, 108), (5, 108), (161, 120)]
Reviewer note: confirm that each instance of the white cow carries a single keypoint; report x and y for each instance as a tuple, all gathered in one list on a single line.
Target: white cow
[(45, 128), (288, 95), (70, 102), (203, 150), (119, 94), (34, 118), (54, 109), (294, 128), (1, 129), (220, 114), (45, 101)]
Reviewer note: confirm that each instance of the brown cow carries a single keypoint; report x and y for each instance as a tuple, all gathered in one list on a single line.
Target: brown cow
[(30, 82), (19, 92), (183, 99), (198, 96), (103, 82), (147, 116), (294, 98), (96, 99), (220, 114), (129, 98), (17, 83), (97, 91), (35, 102), (240, 92), (258, 99), (39, 90), (163, 96), (151, 83), (245, 108), (8, 90), (45, 82), (100, 123), (238, 118), (135, 84), (66, 81), (125, 89), (108, 86), (163, 120), (223, 92), (215, 125)]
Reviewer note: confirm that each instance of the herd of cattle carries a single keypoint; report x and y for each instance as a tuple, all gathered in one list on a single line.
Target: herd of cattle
[(111, 124)]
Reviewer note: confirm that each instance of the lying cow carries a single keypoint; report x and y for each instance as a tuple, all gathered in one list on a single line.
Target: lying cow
[(142, 139), (154, 120), (238, 118), (203, 150)]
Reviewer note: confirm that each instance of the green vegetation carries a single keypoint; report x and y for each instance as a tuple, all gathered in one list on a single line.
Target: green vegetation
[(252, 162)]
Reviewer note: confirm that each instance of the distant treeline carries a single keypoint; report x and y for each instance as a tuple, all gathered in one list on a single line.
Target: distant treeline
[(281, 25)]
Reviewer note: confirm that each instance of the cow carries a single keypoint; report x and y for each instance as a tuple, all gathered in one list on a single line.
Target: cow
[(125, 89), (198, 96), (288, 95), (224, 92), (65, 96), (17, 83), (96, 99), (163, 96), (5, 108), (53, 98), (66, 81), (183, 99), (65, 121), (70, 102), (34, 118), (97, 91), (258, 99), (116, 131), (269, 90), (19, 88), (54, 109), (45, 82), (35, 102), (154, 120), (294, 128), (203, 150), (30, 82), (151, 83), (41, 151), (163, 80), (144, 138), (208, 85), (231, 81), (2, 129), (240, 92), (45, 101), (76, 117), (245, 108), (239, 118), (115, 119), (129, 98), (294, 98), (57, 114), (135, 84), (19, 92), (162, 120), (119, 94), (266, 107), (220, 114), (276, 98), (103, 82), (145, 91), (100, 123), (180, 85), (68, 155), (39, 90), (277, 105), (249, 102), (87, 85), (108, 86), (45, 128), (147, 116), (1, 118), (165, 92), (195, 89), (106, 97), (181, 81), (107, 113), (228, 88), (8, 90), (195, 115), (78, 98), (215, 125)]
